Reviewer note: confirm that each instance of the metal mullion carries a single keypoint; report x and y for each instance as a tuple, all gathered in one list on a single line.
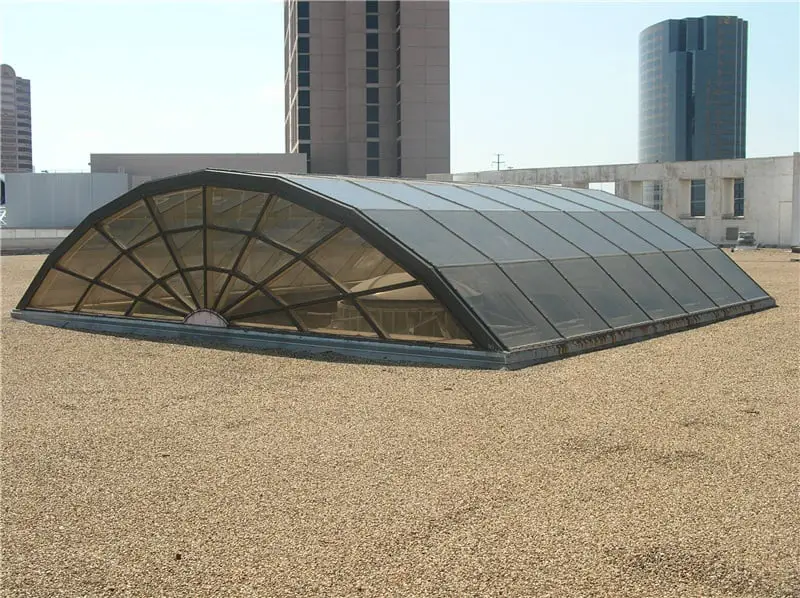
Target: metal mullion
[(173, 256), (628, 254), (367, 317), (141, 266), (491, 261), (91, 281), (257, 235), (594, 259), (513, 236), (357, 295), (678, 303), (109, 287), (695, 251), (297, 258), (245, 247), (205, 247), (272, 297)]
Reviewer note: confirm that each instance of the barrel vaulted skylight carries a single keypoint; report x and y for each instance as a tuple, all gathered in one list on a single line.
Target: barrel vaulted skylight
[(471, 274)]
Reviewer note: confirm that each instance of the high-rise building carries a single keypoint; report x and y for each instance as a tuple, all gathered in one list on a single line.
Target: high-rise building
[(693, 89), (368, 86), (16, 147)]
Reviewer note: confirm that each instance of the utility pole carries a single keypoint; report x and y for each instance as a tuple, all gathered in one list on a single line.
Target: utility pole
[(498, 161)]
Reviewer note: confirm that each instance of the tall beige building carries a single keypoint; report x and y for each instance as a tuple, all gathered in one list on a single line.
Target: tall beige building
[(368, 86), (16, 146)]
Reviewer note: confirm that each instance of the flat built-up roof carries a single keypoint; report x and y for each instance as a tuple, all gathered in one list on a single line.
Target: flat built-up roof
[(464, 274)]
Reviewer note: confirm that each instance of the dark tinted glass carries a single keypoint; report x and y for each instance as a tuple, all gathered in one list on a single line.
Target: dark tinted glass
[(575, 232), (304, 132), (677, 230), (506, 197), (675, 282), (372, 95), (613, 200), (601, 292), (373, 168), (546, 200), (460, 196), (485, 235), (372, 75), (372, 21), (373, 149), (638, 284), (303, 26), (373, 113), (303, 10), (304, 79), (303, 45), (303, 62), (619, 236), (304, 97), (558, 301), (538, 237), (348, 193), (702, 274), (373, 130), (732, 274), (503, 308), (180, 209), (372, 7), (428, 238), (304, 116), (372, 60), (372, 41), (411, 195), (644, 228)]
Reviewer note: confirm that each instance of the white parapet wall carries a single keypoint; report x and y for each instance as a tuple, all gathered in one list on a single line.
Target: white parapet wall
[(771, 192)]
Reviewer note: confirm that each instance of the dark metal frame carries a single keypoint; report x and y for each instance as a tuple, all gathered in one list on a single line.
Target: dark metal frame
[(394, 249), (345, 215)]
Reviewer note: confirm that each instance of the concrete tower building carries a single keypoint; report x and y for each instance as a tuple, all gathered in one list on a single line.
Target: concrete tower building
[(16, 147), (368, 86), (693, 89)]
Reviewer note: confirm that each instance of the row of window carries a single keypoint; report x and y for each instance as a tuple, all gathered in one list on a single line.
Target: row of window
[(304, 79), (373, 93)]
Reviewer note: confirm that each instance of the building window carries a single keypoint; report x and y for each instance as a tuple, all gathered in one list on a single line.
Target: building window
[(304, 79), (372, 6), (303, 9), (304, 132), (373, 130), (372, 41), (303, 62), (303, 45), (372, 21), (303, 26), (305, 148), (698, 198), (372, 60), (304, 98), (372, 75), (373, 149), (373, 167), (372, 95), (738, 198), (373, 114), (304, 116)]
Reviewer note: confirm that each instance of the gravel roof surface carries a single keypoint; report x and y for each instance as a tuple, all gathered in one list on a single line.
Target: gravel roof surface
[(669, 467)]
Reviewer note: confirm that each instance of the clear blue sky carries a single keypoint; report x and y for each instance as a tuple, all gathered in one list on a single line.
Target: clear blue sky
[(544, 83)]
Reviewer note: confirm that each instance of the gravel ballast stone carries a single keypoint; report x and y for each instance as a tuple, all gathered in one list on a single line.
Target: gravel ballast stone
[(669, 467)]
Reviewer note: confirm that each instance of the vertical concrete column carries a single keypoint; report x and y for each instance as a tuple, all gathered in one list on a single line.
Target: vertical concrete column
[(795, 237), (676, 194), (715, 204)]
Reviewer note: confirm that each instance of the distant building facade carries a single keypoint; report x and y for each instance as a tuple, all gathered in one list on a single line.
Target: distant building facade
[(144, 167), (16, 143), (693, 89), (368, 86)]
